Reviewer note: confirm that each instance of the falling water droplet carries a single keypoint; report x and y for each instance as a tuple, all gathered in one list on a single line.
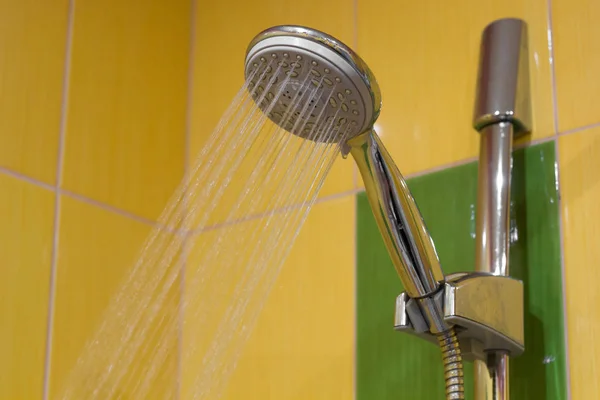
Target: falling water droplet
[(549, 359)]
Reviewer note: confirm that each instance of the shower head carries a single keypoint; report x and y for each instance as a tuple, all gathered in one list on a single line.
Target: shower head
[(298, 58)]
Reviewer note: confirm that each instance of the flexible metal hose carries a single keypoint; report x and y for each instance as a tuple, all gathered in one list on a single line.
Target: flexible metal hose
[(453, 365)]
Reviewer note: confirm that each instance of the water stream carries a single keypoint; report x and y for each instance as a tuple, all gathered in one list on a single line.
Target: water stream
[(177, 325)]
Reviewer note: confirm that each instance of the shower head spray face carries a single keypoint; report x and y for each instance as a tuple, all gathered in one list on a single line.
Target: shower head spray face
[(290, 60)]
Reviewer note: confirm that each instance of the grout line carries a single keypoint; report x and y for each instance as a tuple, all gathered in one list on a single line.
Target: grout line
[(471, 159), (147, 221), (533, 142), (337, 196), (582, 128), (23, 177), (441, 167), (563, 269), (76, 196), (58, 182), (247, 218), (107, 207), (355, 24), (552, 60), (267, 213), (186, 169), (190, 86)]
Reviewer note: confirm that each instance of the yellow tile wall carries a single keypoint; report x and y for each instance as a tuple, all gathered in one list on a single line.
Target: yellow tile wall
[(576, 33), (125, 106), (97, 249), (26, 253), (96, 97), (575, 37), (33, 42), (125, 126), (302, 346), (580, 188)]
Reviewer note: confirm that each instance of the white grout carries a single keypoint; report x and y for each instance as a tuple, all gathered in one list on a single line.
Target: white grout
[(58, 182), (322, 199), (339, 195), (76, 196), (575, 130), (25, 178), (190, 87), (107, 207)]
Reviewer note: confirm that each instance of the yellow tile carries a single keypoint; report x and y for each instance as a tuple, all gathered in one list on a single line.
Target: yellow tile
[(26, 247), (33, 37), (127, 102), (425, 58), (219, 64), (96, 256), (577, 57), (302, 346), (579, 156)]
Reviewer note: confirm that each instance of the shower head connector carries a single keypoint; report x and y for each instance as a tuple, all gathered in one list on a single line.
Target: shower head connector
[(300, 58)]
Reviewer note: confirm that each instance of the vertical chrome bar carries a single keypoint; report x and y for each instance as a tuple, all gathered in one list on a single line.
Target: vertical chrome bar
[(493, 198), (502, 109), (491, 378), (492, 241)]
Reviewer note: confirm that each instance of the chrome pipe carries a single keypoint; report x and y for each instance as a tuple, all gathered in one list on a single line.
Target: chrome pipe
[(492, 240), (491, 377), (502, 110), (493, 199)]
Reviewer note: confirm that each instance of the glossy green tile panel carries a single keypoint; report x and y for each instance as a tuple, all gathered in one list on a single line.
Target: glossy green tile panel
[(393, 365)]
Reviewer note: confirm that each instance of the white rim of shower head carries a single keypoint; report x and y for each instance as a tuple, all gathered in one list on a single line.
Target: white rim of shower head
[(302, 58)]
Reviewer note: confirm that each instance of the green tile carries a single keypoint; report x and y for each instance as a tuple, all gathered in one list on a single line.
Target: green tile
[(393, 365)]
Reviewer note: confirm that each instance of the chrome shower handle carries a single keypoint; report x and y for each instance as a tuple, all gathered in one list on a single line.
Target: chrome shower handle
[(407, 240)]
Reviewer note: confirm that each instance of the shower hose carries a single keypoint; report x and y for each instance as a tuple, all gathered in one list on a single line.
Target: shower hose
[(453, 365)]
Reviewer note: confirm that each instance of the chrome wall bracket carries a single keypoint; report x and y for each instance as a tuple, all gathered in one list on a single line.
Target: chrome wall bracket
[(486, 311)]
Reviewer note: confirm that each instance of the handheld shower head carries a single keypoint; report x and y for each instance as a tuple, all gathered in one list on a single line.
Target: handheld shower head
[(299, 57), (291, 58)]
